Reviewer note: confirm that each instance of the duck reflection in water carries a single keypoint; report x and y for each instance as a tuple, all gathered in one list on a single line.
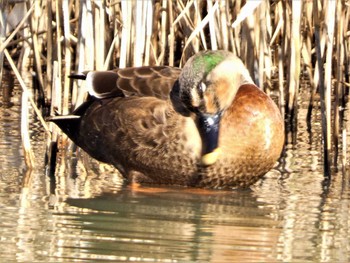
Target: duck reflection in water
[(174, 226), (207, 125)]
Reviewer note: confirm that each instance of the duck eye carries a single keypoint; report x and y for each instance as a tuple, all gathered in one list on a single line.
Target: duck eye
[(202, 87)]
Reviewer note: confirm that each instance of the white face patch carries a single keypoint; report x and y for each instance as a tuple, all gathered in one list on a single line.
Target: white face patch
[(195, 98), (203, 87)]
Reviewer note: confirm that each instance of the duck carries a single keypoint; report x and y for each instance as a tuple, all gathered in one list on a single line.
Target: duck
[(206, 125)]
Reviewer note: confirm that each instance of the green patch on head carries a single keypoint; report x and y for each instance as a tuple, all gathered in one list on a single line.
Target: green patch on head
[(208, 60)]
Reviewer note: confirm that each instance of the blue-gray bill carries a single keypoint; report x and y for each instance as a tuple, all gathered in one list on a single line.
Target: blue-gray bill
[(209, 126)]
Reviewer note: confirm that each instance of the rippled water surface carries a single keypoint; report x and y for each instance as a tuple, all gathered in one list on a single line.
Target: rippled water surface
[(86, 214)]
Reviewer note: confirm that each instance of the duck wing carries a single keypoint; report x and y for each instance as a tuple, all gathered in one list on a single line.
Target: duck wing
[(122, 100), (129, 121), (148, 81), (139, 133)]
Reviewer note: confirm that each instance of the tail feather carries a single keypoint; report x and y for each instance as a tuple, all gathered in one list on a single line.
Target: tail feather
[(69, 124)]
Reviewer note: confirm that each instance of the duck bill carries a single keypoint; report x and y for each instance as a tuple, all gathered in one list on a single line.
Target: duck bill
[(208, 126)]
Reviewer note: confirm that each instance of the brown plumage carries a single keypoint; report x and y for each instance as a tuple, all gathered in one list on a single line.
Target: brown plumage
[(162, 125)]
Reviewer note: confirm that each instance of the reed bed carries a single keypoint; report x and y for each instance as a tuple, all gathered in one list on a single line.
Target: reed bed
[(281, 42)]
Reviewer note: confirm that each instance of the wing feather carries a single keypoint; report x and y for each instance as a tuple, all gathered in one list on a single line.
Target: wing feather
[(142, 82)]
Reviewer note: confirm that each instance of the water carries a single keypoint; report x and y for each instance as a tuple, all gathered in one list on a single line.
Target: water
[(88, 215)]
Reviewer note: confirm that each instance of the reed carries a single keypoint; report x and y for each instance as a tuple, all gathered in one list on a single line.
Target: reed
[(320, 76), (282, 42)]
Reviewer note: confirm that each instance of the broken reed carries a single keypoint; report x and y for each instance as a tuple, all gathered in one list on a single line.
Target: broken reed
[(277, 40)]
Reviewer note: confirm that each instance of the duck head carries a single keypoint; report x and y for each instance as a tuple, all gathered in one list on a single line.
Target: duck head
[(206, 87)]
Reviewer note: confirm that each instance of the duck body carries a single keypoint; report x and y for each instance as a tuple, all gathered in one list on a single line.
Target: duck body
[(144, 123)]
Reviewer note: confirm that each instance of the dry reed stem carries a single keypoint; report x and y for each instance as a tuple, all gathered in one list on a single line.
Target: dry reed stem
[(28, 153), (212, 30), (246, 11), (49, 53), (202, 43), (126, 8), (326, 150), (2, 37), (337, 89), (19, 26), (330, 25), (281, 81), (171, 39), (224, 23), (149, 29), (307, 59), (33, 24), (201, 25), (58, 77), (67, 58), (294, 66), (24, 88), (139, 34), (163, 30), (110, 53), (100, 31)]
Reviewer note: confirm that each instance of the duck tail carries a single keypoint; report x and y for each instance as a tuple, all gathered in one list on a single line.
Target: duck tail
[(69, 124)]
